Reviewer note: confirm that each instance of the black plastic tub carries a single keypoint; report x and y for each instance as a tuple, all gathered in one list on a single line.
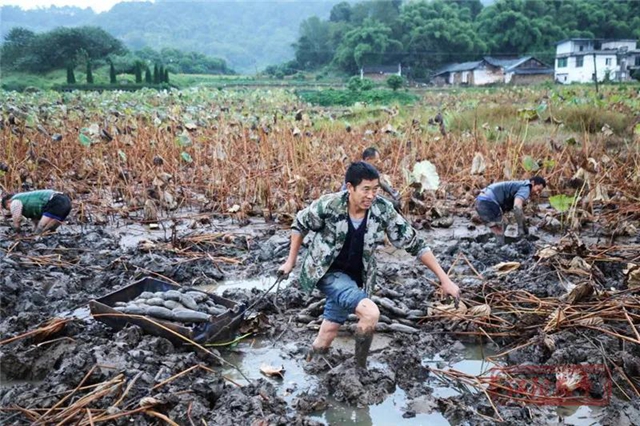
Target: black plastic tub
[(221, 327)]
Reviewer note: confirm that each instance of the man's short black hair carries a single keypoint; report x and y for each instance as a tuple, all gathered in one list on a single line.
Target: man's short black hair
[(539, 180), (5, 198), (359, 171), (369, 153)]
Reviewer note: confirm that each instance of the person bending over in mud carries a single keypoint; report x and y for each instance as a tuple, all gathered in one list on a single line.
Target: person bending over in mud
[(501, 197), (340, 261), (46, 208), (371, 155)]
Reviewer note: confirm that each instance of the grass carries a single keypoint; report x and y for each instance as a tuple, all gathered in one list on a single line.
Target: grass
[(492, 116), (19, 81), (333, 97), (591, 119)]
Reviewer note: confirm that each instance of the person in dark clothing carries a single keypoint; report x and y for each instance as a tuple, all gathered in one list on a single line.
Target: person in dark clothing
[(501, 197), (340, 260), (46, 208)]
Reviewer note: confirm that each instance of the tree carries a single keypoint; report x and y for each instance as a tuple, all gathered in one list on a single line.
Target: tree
[(516, 27), (138, 72), (89, 73), (340, 12), (437, 33), (395, 82), (51, 50), (156, 75), (147, 76), (16, 47), (71, 78), (369, 44), (112, 73), (312, 48), (166, 75)]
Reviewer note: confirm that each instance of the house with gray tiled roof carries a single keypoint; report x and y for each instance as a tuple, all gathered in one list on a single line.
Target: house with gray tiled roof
[(492, 70)]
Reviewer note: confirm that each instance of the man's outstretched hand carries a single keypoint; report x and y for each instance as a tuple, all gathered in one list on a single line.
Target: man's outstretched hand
[(451, 289), (285, 269)]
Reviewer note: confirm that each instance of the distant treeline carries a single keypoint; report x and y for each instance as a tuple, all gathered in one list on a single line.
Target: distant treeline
[(247, 34), (23, 50), (426, 35)]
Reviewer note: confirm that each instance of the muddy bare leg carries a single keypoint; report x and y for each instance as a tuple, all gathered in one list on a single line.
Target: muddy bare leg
[(328, 332), (498, 230), (368, 314), (47, 224)]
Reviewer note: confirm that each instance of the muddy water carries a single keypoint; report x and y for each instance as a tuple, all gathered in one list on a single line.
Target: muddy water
[(252, 354), (261, 284)]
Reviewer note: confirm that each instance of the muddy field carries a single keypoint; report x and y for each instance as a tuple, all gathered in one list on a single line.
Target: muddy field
[(80, 371)]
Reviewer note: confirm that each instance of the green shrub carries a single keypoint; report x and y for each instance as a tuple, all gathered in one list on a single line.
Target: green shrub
[(71, 78), (591, 119), (107, 87), (366, 84), (138, 72), (349, 97), (112, 74), (504, 116), (395, 82), (89, 73), (356, 84)]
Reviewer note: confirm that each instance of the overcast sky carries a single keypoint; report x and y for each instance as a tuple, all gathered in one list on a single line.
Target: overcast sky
[(97, 5)]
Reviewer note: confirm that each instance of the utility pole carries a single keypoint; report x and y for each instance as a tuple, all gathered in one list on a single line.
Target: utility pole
[(595, 71)]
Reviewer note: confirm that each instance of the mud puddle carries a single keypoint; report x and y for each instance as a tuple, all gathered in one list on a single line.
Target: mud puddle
[(262, 284), (250, 355), (581, 415), (81, 313), (130, 235)]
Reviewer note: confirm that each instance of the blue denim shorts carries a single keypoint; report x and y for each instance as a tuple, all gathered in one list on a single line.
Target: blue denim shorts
[(343, 296), (489, 212)]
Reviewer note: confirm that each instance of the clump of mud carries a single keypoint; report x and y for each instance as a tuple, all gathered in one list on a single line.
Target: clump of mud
[(359, 387)]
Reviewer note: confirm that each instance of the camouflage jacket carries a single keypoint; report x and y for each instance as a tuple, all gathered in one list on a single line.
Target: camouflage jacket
[(328, 216)]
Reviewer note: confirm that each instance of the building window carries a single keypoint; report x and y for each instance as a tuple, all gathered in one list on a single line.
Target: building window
[(562, 62), (608, 61), (579, 61), (581, 48)]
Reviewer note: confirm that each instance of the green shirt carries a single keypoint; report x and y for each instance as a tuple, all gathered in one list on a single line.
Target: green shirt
[(33, 202), (328, 217)]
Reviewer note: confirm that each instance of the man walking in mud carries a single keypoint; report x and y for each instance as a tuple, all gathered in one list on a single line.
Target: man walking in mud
[(46, 208), (501, 197), (340, 261)]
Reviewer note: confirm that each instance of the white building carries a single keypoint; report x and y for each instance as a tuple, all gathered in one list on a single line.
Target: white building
[(578, 60)]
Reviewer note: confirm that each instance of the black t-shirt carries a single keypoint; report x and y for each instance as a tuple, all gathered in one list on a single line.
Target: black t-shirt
[(349, 261)]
